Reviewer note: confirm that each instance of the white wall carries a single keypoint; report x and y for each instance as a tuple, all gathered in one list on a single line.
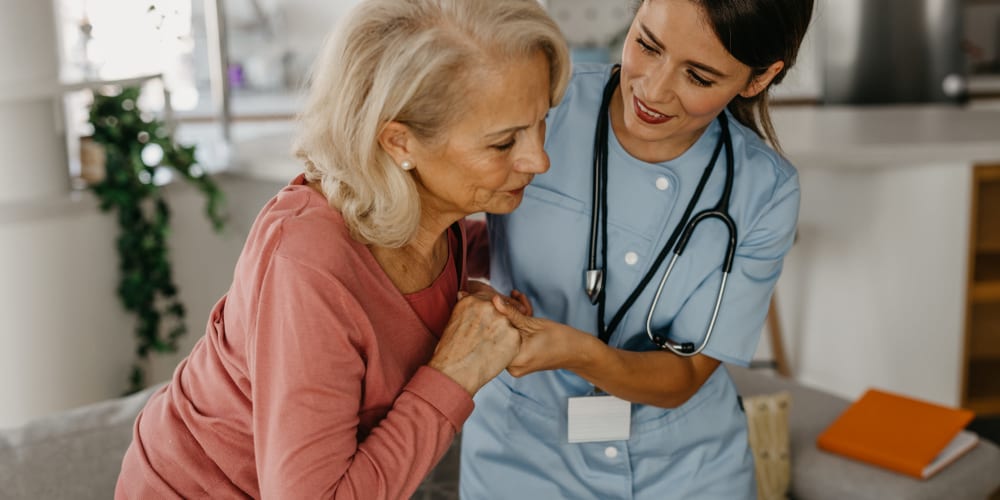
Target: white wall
[(29, 139), (873, 291), (64, 338)]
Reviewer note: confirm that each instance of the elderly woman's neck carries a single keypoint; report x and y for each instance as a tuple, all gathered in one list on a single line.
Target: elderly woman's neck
[(427, 243), (417, 264), (433, 225)]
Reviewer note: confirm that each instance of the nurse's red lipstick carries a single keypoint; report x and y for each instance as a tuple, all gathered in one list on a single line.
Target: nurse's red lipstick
[(648, 114)]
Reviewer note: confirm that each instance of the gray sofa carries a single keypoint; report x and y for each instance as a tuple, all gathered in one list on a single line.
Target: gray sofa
[(77, 454)]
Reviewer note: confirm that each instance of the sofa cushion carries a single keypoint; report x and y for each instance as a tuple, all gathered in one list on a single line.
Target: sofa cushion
[(74, 454), (818, 475)]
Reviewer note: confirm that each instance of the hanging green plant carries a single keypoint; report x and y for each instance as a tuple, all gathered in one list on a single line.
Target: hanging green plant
[(135, 146)]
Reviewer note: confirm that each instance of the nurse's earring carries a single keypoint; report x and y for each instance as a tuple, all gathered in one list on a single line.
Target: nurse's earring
[(407, 165)]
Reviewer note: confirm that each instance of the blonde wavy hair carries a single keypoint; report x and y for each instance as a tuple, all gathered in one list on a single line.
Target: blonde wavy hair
[(405, 61)]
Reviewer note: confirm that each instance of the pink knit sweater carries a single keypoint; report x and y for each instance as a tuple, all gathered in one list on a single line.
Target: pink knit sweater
[(310, 380)]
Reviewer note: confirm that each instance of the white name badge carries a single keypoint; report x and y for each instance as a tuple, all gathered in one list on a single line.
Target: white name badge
[(598, 418)]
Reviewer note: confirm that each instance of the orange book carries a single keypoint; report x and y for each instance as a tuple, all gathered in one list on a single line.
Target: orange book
[(900, 433)]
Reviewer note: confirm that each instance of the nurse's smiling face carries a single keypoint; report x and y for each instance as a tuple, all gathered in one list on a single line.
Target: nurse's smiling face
[(676, 77)]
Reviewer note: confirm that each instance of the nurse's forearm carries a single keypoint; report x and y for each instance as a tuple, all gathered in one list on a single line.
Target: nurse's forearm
[(657, 378)]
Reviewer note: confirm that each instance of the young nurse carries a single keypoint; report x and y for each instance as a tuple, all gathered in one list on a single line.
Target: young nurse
[(617, 391)]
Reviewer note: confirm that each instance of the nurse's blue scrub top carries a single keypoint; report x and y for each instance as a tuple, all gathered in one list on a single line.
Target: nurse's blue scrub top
[(515, 445)]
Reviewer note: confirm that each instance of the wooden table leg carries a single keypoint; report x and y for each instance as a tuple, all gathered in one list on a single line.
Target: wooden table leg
[(777, 344)]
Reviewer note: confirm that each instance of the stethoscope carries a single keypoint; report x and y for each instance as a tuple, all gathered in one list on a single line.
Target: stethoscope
[(594, 275)]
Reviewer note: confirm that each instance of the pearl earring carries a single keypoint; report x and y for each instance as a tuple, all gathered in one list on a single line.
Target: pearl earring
[(407, 165)]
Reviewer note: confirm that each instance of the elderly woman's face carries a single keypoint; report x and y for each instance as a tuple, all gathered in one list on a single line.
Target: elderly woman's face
[(495, 148)]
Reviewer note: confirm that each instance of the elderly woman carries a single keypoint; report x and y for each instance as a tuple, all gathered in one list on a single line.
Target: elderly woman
[(335, 366)]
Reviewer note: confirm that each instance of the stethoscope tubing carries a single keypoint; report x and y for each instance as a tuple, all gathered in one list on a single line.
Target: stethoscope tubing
[(720, 212), (595, 275), (688, 349)]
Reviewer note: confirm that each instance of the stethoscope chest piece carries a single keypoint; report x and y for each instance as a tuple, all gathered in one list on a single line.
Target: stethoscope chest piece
[(593, 284)]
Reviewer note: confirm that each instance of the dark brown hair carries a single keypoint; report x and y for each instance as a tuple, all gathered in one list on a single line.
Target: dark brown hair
[(759, 33)]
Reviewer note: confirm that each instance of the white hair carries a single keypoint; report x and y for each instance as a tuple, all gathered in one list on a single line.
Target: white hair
[(406, 61)]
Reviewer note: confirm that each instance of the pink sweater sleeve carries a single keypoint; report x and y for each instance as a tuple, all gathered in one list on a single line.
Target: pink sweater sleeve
[(308, 355)]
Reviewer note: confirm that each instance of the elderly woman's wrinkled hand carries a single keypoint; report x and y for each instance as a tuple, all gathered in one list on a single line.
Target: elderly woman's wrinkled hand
[(477, 344)]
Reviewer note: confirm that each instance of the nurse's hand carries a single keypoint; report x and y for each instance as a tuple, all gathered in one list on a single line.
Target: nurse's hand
[(545, 344), (487, 292), (477, 344)]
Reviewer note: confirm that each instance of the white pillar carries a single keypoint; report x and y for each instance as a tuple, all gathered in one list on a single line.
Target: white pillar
[(33, 162)]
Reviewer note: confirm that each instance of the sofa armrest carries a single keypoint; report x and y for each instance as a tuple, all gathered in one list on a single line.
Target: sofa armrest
[(818, 475), (75, 454)]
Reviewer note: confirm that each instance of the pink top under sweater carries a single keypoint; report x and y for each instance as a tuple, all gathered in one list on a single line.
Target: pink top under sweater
[(310, 380)]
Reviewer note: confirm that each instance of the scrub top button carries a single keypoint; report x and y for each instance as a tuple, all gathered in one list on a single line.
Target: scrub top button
[(611, 452), (631, 258), (662, 183)]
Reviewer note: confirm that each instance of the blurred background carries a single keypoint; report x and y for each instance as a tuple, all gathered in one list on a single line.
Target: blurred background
[(892, 116)]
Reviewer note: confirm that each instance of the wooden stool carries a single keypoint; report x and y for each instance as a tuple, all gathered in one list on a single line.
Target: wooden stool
[(778, 360)]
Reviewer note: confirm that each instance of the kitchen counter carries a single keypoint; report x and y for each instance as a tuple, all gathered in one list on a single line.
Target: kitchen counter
[(885, 136)]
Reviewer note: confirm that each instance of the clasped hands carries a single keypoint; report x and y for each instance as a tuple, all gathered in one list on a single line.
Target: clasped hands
[(489, 332)]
